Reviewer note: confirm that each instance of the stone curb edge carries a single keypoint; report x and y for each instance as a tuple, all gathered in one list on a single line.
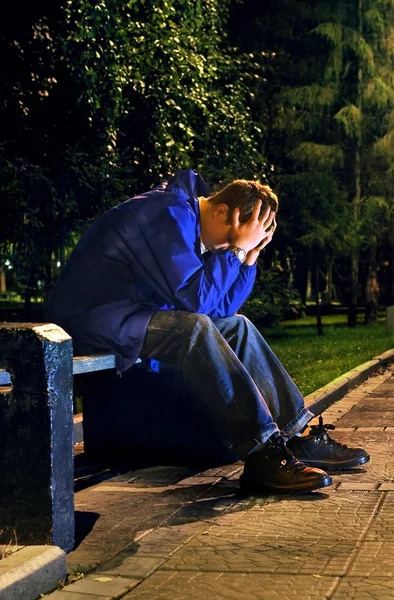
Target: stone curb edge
[(31, 571), (336, 389)]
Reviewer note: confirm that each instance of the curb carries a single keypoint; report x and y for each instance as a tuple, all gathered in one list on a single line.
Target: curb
[(31, 571), (336, 389)]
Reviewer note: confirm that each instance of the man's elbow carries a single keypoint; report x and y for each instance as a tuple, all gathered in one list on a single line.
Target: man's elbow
[(195, 305)]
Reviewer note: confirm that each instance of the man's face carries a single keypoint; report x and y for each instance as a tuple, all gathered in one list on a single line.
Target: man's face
[(215, 229)]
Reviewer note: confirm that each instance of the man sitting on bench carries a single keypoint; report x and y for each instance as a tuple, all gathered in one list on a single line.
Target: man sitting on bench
[(162, 276)]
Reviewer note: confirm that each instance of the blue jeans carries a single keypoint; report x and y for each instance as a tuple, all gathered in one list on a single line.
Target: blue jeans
[(232, 373)]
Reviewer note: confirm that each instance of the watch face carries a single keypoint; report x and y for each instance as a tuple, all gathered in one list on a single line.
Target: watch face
[(241, 254)]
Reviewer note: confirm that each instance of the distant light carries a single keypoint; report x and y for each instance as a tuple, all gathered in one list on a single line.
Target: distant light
[(58, 264), (9, 266), (7, 262)]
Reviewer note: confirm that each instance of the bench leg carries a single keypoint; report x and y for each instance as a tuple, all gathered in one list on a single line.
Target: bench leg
[(36, 436)]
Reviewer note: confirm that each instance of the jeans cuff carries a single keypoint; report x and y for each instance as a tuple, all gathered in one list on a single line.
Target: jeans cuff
[(298, 423), (256, 443)]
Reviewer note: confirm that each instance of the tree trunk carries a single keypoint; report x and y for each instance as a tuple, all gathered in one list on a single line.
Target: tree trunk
[(390, 283), (301, 275), (329, 281), (62, 257), (319, 323), (268, 257), (309, 283), (31, 289), (3, 286), (327, 294), (372, 284), (352, 309), (356, 177), (48, 273), (353, 296), (284, 263)]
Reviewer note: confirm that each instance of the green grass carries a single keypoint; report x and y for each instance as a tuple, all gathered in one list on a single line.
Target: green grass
[(313, 361)]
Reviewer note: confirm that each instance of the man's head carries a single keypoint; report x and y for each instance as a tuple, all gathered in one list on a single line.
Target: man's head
[(244, 194), (217, 210)]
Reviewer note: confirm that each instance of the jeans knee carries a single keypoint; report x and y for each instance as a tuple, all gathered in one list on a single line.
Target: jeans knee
[(197, 330), (195, 322), (240, 323), (200, 322), (241, 320)]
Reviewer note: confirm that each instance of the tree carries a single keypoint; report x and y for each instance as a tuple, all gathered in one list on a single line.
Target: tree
[(340, 111), (105, 99)]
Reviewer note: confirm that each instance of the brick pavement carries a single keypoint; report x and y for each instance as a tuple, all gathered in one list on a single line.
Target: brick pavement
[(170, 534)]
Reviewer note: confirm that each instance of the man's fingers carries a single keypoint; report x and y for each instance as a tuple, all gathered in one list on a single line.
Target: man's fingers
[(266, 240), (265, 215), (270, 220), (236, 214), (256, 210)]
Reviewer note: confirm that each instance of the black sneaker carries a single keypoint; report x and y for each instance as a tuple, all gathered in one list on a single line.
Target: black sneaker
[(275, 469), (319, 450)]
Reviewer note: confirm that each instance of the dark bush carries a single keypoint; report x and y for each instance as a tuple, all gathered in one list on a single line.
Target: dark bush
[(272, 299)]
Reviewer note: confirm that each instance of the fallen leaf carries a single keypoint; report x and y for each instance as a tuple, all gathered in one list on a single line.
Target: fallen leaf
[(103, 579), (76, 577)]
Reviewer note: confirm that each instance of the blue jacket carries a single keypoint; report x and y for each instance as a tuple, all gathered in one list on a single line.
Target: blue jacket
[(142, 256)]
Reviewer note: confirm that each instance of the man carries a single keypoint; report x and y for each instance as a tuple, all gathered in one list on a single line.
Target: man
[(162, 276)]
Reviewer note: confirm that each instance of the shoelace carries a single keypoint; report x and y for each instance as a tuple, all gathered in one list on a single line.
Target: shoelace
[(320, 431), (291, 461)]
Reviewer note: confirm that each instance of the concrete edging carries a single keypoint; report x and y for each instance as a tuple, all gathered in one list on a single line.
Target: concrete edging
[(336, 389), (31, 571)]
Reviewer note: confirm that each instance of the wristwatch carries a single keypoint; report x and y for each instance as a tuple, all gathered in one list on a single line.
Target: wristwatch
[(239, 253)]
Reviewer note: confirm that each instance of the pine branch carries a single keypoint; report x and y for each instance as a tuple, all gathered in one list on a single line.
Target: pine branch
[(318, 155), (350, 117), (340, 36), (379, 93), (310, 97)]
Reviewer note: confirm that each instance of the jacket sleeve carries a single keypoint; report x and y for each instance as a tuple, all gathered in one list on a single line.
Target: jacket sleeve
[(170, 265), (232, 301)]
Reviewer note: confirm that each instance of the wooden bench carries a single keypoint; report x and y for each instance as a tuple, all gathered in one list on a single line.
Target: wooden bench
[(88, 364)]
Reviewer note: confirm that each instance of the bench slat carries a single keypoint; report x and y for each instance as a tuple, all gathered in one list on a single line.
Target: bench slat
[(87, 364)]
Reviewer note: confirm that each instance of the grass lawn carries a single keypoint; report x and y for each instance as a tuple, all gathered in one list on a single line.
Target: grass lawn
[(312, 360)]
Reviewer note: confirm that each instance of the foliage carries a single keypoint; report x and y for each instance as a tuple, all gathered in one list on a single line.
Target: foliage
[(272, 299), (341, 113), (168, 61), (105, 99)]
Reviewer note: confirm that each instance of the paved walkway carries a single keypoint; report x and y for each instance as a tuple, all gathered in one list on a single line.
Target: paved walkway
[(170, 534)]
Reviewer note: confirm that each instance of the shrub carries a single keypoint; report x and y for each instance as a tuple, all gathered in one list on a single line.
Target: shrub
[(272, 299)]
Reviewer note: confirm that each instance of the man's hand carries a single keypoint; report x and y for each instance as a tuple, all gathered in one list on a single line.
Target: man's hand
[(252, 233), (253, 254)]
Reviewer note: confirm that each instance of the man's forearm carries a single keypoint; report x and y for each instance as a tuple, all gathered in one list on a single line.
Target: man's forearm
[(251, 257)]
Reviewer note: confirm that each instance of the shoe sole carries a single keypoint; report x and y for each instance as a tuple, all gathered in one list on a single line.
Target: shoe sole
[(267, 486), (339, 466)]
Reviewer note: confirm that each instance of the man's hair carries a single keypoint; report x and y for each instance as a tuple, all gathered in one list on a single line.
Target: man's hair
[(244, 194)]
